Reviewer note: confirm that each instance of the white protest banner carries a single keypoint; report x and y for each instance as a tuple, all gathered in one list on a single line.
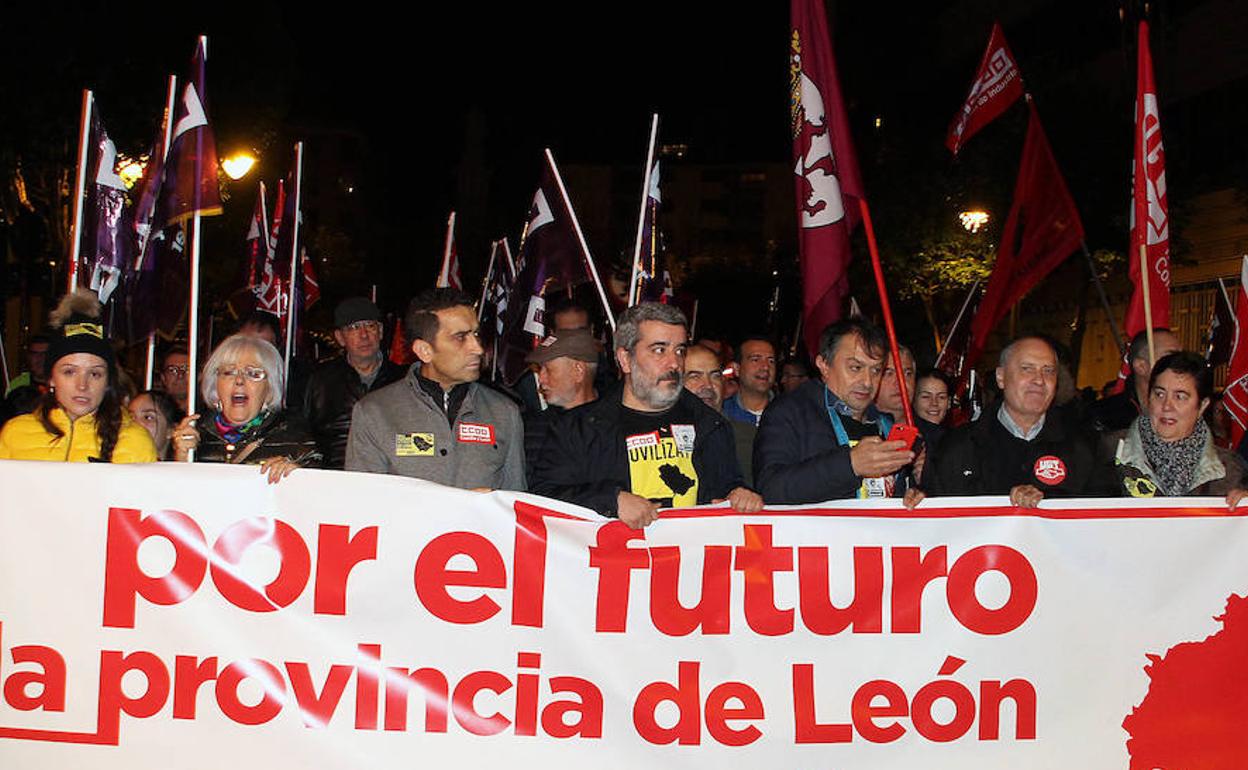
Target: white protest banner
[(175, 616)]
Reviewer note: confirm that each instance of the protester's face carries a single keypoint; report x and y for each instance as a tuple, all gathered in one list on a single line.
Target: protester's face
[(572, 318), (703, 376), (262, 331), (79, 380), (361, 340), (792, 376), (559, 380), (889, 397), (931, 403), (853, 374), (242, 387), (173, 375), (1028, 381), (1174, 405), (1164, 343), (652, 372), (37, 358), (454, 356), (145, 412), (758, 366)]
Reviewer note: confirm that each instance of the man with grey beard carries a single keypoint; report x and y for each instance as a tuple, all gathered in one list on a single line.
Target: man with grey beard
[(649, 443)]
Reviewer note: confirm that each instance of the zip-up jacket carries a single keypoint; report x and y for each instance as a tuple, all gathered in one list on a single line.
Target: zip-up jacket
[(401, 430), (24, 438)]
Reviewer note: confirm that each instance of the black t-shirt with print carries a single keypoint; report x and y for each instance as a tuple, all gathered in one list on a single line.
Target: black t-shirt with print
[(659, 447)]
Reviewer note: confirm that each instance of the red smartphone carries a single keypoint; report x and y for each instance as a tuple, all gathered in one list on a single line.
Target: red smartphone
[(903, 432)]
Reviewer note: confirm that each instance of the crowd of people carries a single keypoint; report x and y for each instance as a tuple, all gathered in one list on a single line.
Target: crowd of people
[(651, 420)]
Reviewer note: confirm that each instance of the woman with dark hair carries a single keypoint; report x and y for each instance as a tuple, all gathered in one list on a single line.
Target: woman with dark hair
[(1168, 451), (932, 390), (81, 417), (243, 384), (159, 414)]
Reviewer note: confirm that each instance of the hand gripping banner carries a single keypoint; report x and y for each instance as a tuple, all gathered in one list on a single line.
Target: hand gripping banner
[(175, 616)]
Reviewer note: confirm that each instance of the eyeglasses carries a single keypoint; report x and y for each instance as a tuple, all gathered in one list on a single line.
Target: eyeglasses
[(372, 327), (253, 373), (175, 371)]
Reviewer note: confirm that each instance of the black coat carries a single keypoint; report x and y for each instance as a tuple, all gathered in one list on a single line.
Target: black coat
[(983, 458), (281, 435), (797, 458), (584, 459), (331, 393)]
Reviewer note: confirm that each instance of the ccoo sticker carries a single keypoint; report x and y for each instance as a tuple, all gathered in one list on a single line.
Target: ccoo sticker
[(1050, 470)]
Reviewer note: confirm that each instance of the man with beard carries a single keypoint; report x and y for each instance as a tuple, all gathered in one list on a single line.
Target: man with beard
[(649, 443), (704, 378), (438, 423)]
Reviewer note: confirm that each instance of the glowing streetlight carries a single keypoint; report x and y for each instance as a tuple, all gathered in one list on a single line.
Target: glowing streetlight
[(131, 169), (973, 220), (238, 165)]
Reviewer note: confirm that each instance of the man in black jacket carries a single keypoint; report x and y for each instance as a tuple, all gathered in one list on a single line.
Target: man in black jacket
[(1023, 449), (649, 443), (825, 440), (336, 384)]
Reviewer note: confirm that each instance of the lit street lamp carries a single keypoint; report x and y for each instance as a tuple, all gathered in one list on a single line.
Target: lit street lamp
[(973, 220), (238, 165)]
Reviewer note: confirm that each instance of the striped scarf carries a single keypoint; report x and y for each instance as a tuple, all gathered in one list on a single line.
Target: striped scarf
[(233, 434)]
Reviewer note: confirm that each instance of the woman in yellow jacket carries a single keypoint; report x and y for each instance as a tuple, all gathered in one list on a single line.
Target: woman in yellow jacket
[(81, 418)]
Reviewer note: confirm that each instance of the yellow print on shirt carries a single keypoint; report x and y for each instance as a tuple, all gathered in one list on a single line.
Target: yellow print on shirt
[(660, 472)]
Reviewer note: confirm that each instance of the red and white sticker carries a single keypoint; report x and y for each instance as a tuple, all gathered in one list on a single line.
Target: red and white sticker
[(476, 433), (1050, 469), (642, 440)]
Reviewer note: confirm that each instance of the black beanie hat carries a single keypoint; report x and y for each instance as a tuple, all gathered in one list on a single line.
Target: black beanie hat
[(76, 328)]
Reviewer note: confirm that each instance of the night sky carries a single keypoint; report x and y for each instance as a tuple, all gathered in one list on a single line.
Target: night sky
[(415, 82)]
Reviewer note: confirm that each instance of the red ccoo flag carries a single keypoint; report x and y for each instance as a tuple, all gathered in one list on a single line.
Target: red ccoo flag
[(828, 183), (1235, 397), (1042, 229), (1150, 224), (998, 84)]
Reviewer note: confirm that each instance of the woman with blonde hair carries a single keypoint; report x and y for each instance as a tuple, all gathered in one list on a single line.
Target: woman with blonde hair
[(243, 385)]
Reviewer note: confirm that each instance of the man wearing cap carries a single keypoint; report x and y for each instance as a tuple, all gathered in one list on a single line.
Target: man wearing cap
[(336, 384), (567, 362)]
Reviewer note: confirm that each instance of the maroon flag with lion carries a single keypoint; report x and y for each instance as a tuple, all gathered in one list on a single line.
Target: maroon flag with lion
[(829, 185)]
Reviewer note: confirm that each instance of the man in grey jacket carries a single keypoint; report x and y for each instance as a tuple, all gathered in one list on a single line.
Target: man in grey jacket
[(438, 423)]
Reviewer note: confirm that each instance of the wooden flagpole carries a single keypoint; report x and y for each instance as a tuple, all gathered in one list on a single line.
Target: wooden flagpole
[(633, 288), (295, 273), (1146, 281), (444, 275), (164, 154), (589, 260), (485, 284), (80, 181)]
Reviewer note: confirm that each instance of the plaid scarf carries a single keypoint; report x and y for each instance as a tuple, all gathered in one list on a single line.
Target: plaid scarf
[(1173, 462), (234, 434)]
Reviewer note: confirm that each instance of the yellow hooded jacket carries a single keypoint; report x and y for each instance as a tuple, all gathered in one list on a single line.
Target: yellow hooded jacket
[(24, 438)]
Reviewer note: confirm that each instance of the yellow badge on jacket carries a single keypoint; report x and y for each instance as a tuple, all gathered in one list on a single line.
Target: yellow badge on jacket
[(413, 444)]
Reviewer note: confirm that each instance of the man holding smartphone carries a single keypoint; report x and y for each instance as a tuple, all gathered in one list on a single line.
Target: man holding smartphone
[(826, 439)]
